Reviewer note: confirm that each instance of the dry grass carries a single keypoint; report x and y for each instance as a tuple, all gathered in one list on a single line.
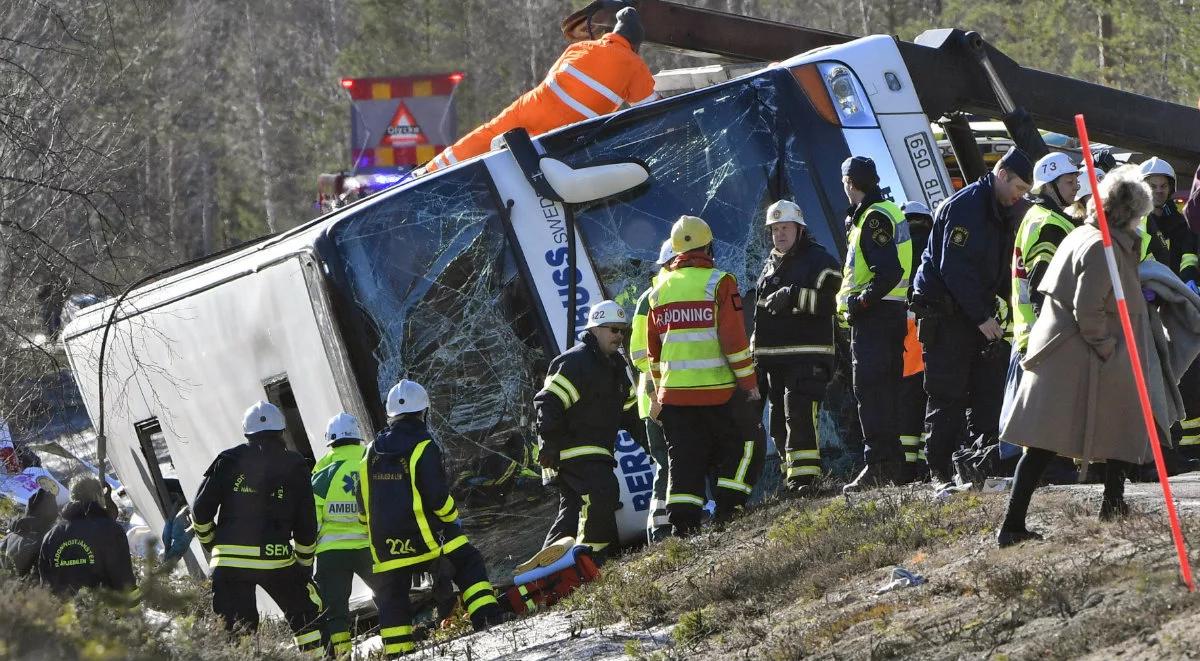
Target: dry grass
[(796, 579)]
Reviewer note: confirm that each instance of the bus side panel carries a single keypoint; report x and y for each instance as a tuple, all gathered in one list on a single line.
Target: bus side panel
[(197, 363)]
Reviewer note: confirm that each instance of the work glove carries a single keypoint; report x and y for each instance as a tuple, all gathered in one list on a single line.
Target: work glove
[(1191, 284), (1149, 294), (779, 301), (1104, 160)]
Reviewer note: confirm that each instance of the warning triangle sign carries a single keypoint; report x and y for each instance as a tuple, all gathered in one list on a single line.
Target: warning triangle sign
[(403, 130)]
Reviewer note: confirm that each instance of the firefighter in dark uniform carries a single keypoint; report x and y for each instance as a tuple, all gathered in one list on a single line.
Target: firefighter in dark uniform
[(871, 301), (586, 399), (793, 340), (412, 521), (912, 384), (963, 270), (256, 515), (1169, 239)]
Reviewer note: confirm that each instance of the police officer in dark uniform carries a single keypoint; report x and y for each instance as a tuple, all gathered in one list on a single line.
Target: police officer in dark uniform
[(587, 397), (963, 270), (793, 340), (872, 302), (412, 521), (256, 515)]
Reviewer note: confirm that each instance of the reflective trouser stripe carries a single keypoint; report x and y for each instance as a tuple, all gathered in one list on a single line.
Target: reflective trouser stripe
[(477, 596), (308, 640), (738, 482), (530, 607), (397, 640), (797, 471), (1191, 431), (796, 455), (684, 499), (341, 642), (913, 452)]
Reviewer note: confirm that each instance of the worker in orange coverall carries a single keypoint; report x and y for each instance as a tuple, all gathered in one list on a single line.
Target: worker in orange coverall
[(591, 78)]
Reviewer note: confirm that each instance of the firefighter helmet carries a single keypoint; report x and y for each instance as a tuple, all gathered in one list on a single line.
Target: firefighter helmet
[(689, 233), (262, 416), (1051, 167), (407, 397), (342, 425), (1085, 186), (784, 211), (1158, 166), (915, 207), (665, 253), (606, 313)]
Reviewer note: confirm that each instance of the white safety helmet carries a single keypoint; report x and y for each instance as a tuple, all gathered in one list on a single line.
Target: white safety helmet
[(913, 206), (784, 211), (342, 425), (262, 416), (407, 397), (606, 313), (666, 252), (1051, 167), (1158, 166), (1085, 185)]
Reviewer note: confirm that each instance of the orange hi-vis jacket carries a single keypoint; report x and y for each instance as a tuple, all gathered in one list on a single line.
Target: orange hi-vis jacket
[(723, 309), (591, 78)]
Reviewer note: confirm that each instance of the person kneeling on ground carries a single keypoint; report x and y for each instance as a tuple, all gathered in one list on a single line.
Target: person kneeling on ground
[(87, 548)]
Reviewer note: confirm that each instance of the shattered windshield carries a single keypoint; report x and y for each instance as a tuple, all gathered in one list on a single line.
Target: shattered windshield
[(724, 154), (434, 279)]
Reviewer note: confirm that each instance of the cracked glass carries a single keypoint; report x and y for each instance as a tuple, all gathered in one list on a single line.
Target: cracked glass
[(724, 154), (432, 272)]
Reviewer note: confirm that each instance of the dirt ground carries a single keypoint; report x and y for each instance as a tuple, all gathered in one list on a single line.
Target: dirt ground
[(798, 579)]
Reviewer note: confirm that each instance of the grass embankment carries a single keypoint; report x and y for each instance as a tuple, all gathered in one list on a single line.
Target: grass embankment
[(797, 578), (174, 622)]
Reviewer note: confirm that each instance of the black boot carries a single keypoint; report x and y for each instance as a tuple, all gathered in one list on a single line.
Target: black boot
[(1006, 538), (801, 486), (872, 477), (1113, 509)]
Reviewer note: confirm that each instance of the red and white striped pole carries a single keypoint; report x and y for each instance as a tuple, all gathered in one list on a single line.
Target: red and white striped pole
[(1135, 359)]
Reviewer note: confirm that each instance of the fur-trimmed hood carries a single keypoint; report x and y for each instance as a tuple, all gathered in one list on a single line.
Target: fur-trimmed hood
[(1126, 197)]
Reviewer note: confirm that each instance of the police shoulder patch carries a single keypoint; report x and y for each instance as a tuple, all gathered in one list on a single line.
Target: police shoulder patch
[(881, 238), (959, 236), (873, 222)]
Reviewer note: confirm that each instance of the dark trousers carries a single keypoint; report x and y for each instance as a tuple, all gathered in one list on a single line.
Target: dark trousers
[(725, 440), (391, 597), (1186, 433), (334, 576), (1029, 473), (912, 422), (235, 601), (793, 423), (959, 375), (659, 525), (877, 346), (588, 495)]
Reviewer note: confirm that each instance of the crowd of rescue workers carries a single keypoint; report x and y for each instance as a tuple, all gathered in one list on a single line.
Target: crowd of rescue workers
[(989, 324)]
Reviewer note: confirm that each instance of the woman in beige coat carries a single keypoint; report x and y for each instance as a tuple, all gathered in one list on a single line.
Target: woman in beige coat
[(1077, 397)]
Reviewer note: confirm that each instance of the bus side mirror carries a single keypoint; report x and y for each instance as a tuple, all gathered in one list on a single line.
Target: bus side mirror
[(579, 185)]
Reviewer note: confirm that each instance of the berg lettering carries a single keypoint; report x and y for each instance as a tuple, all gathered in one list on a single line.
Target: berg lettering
[(636, 470)]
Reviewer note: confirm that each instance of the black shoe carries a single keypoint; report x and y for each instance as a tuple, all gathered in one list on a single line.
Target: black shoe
[(1007, 538), (872, 477), (1110, 510)]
